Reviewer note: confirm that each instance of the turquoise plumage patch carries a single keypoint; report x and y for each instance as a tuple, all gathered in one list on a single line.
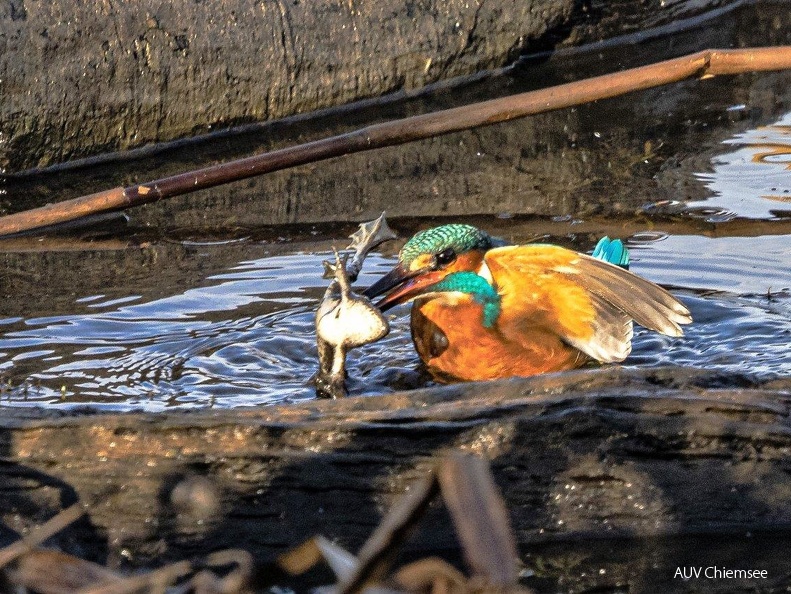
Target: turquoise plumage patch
[(612, 251), (476, 286)]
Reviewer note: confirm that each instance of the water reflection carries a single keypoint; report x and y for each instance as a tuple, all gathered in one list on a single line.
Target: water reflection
[(246, 336), (753, 181)]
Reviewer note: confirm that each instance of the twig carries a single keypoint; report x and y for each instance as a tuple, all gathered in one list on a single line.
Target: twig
[(41, 533), (702, 64), (379, 551), (236, 581), (157, 580), (480, 517), (301, 558), (52, 572)]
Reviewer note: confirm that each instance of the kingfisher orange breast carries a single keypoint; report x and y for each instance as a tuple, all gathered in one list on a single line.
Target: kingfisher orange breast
[(454, 345)]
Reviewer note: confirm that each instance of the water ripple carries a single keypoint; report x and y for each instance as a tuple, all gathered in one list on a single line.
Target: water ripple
[(246, 336), (752, 181)]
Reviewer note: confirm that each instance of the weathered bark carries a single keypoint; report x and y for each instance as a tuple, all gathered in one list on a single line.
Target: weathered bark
[(80, 79), (587, 454)]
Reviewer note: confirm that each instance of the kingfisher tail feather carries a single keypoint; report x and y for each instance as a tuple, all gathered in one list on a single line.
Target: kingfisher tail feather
[(612, 251)]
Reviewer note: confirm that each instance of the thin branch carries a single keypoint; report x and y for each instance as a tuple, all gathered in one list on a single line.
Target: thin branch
[(703, 64), (379, 551), (41, 533), (480, 517), (156, 580)]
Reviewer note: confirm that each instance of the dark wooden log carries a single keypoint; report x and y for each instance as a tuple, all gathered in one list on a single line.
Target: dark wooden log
[(585, 455), (121, 76), (84, 79)]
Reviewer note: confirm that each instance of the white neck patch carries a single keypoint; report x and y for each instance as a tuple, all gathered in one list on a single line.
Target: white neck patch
[(485, 272)]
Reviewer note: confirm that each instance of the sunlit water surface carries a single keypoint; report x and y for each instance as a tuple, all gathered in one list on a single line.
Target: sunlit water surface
[(753, 178), (194, 349), (246, 336)]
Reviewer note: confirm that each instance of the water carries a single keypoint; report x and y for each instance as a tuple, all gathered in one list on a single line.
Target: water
[(740, 304), (245, 336), (242, 334), (753, 180), (197, 303)]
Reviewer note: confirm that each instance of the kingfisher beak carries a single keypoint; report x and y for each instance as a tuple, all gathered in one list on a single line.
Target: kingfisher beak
[(401, 285), (395, 277)]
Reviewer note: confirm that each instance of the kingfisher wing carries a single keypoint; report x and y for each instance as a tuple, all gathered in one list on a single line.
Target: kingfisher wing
[(589, 303)]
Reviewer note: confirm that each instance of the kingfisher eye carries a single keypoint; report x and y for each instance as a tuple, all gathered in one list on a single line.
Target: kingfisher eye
[(445, 257)]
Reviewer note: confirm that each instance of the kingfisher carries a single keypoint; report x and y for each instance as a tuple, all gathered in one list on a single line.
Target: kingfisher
[(486, 310)]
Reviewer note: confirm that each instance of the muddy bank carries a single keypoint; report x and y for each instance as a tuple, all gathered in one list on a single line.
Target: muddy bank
[(592, 454), (84, 80)]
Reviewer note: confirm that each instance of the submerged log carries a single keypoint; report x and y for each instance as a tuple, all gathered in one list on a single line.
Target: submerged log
[(590, 454)]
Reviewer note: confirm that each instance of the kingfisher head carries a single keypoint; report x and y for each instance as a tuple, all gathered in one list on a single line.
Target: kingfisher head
[(428, 258)]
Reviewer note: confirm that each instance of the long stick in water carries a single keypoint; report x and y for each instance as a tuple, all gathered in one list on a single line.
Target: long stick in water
[(703, 64)]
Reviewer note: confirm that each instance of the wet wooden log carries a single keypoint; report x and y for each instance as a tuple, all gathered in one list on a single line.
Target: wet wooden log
[(600, 453), (151, 72)]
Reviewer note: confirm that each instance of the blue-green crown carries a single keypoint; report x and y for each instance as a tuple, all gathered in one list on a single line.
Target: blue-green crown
[(476, 286), (461, 238)]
